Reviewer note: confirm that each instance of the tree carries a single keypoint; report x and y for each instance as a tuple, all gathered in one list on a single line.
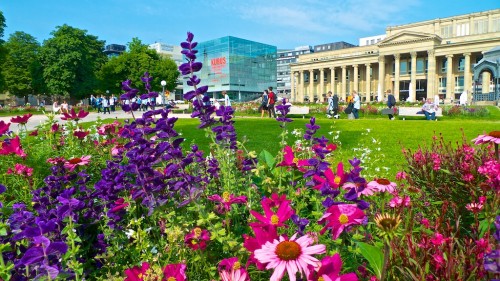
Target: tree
[(3, 51), (133, 63), (70, 61), (19, 69)]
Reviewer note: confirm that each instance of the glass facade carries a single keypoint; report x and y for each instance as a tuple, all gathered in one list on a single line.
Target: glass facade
[(242, 68)]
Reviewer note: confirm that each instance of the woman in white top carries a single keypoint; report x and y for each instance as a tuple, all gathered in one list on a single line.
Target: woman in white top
[(227, 101)]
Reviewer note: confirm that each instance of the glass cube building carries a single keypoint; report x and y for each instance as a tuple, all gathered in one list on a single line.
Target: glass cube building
[(241, 67)]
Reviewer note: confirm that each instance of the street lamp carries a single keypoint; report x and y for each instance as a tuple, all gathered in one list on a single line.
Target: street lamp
[(107, 92), (239, 90), (163, 84)]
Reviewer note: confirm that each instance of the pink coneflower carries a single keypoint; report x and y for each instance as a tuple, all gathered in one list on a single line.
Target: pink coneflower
[(137, 273), (197, 239), (289, 159), (12, 146), (493, 137), (175, 272), (290, 255), (4, 127), (21, 119), (330, 271), (227, 200), (283, 213), (56, 160), (338, 217), (474, 207), (230, 270), (72, 115), (72, 163), (382, 185)]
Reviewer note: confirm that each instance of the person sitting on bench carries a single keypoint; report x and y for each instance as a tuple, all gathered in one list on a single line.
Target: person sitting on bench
[(171, 104), (429, 108)]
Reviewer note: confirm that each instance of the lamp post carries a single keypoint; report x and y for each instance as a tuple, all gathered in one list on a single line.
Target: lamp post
[(107, 93), (163, 84), (239, 90)]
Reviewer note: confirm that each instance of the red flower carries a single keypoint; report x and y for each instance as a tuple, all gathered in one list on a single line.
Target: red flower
[(54, 128), (120, 204), (21, 119), (4, 127), (12, 146), (137, 273), (74, 116), (197, 239), (34, 133), (81, 134)]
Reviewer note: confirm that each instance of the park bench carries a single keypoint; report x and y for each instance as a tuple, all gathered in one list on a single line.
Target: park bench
[(182, 106), (299, 110), (415, 112)]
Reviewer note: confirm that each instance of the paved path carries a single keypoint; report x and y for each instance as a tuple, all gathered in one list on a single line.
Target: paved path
[(36, 120)]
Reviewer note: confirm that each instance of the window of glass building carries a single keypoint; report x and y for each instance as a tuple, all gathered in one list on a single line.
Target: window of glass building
[(481, 26), (461, 64)]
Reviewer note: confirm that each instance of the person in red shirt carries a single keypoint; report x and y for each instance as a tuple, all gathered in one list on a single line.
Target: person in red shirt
[(271, 100)]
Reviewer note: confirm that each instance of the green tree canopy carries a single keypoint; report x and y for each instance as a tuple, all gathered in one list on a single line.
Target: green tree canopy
[(3, 51), (19, 68), (133, 63), (70, 61)]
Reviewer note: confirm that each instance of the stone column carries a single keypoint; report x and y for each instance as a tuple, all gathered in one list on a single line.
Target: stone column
[(356, 78), (301, 86), (413, 77), (321, 83), (397, 65), (368, 82), (450, 93), (332, 80), (292, 86), (467, 74), (311, 85), (431, 74), (344, 83), (381, 77)]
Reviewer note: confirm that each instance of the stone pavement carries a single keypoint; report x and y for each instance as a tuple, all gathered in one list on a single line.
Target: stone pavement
[(36, 120)]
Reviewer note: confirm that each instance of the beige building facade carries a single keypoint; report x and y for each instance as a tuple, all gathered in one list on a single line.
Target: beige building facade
[(416, 61)]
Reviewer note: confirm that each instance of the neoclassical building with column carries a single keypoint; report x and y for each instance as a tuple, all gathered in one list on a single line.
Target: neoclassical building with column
[(416, 61)]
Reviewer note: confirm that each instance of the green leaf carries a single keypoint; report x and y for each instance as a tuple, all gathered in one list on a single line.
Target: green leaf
[(484, 226), (267, 158), (374, 256)]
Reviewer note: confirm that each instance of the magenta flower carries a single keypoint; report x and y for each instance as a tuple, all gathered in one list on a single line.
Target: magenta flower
[(474, 207), (397, 201), (175, 272), (72, 163), (227, 200), (290, 160), (74, 116), (277, 219), (262, 236), (230, 270), (80, 134), (22, 170), (382, 185), (4, 127), (331, 179), (197, 239), (438, 239), (120, 204), (291, 255), (137, 273), (56, 160), (21, 119), (330, 271), (338, 217), (34, 133), (12, 146)]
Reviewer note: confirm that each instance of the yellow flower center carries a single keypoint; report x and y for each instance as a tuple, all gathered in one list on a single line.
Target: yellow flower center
[(495, 134), (343, 219), (236, 265), (295, 160), (171, 279), (225, 196), (139, 275), (288, 250), (275, 219), (197, 232), (321, 278), (194, 242), (383, 181), (337, 180)]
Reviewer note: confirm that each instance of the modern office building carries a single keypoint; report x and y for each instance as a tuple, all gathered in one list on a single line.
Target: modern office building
[(241, 67), (332, 46), (417, 60), (113, 50), (283, 61)]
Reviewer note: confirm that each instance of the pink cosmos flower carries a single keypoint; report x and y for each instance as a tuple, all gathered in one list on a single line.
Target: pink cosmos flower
[(262, 235), (74, 116), (382, 185), (227, 200), (137, 273), (12, 146), (493, 137), (4, 127), (197, 239), (283, 213), (291, 255), (176, 272), (80, 134), (21, 119), (72, 163), (290, 160), (338, 217), (22, 170), (230, 270), (108, 129), (331, 179), (275, 200), (330, 271)]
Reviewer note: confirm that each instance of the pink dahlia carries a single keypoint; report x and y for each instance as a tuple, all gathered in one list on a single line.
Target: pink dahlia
[(493, 137), (137, 273), (382, 185), (338, 217), (230, 270), (174, 272), (72, 163), (197, 239), (227, 200), (330, 271), (292, 255)]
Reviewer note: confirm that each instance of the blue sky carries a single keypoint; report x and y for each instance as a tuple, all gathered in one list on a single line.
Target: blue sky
[(283, 23)]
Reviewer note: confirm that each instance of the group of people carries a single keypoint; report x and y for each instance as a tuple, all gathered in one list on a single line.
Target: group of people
[(103, 103), (63, 108), (352, 108), (268, 102)]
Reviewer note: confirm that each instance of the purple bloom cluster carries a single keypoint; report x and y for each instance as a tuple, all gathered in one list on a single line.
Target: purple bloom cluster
[(283, 109), (492, 259)]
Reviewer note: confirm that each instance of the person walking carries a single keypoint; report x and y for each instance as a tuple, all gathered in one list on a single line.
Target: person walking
[(271, 96), (357, 104), (227, 101), (263, 103), (333, 106), (99, 104), (391, 102), (105, 105), (112, 103)]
